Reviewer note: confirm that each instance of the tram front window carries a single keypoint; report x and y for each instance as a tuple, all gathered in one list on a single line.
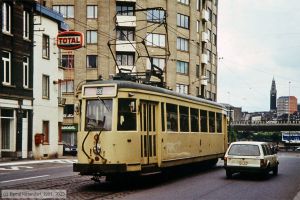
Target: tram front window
[(98, 115)]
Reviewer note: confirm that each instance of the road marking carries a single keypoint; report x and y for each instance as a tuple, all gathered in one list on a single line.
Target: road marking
[(20, 179), (16, 168), (38, 161)]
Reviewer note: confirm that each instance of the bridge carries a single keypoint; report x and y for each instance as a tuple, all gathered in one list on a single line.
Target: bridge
[(267, 126)]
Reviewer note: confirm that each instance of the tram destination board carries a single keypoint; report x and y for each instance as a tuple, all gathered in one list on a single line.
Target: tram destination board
[(103, 91)]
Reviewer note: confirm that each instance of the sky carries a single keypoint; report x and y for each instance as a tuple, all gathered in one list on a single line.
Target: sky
[(258, 40)]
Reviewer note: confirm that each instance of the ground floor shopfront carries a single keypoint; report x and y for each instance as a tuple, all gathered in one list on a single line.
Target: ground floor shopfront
[(16, 128)]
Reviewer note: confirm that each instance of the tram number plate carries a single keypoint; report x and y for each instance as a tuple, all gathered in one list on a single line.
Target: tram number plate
[(243, 162), (99, 91)]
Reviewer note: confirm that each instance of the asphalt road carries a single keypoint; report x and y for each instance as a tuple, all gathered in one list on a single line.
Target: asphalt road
[(185, 183)]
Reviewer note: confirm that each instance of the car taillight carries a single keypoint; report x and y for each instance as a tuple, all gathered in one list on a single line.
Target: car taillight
[(225, 161), (262, 163)]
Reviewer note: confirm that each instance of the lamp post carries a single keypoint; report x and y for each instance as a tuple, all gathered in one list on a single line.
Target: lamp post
[(289, 114)]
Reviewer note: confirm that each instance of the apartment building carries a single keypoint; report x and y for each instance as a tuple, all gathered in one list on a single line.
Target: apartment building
[(16, 78), (181, 39), (286, 105), (48, 104)]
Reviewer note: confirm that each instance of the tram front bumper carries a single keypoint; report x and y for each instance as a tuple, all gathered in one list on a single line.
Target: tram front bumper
[(94, 169)]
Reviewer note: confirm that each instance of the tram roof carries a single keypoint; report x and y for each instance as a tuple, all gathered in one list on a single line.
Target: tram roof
[(134, 85)]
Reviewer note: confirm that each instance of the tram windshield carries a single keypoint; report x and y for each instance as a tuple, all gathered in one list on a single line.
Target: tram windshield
[(98, 115)]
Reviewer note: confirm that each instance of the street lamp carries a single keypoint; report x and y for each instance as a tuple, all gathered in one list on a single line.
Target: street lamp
[(289, 113)]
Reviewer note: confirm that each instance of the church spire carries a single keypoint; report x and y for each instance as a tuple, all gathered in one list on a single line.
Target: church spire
[(273, 96)]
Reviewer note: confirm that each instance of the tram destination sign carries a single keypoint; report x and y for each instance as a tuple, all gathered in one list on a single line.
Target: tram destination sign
[(101, 90), (69, 40)]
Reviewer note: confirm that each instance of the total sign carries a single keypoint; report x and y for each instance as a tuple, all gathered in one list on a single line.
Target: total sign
[(69, 40)]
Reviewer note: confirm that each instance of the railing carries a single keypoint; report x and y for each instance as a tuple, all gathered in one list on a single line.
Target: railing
[(61, 101), (279, 122)]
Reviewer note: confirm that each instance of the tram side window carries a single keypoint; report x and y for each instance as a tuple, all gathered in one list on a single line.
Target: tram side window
[(203, 119), (219, 122), (184, 118), (172, 117), (163, 116), (212, 123), (194, 120), (127, 114)]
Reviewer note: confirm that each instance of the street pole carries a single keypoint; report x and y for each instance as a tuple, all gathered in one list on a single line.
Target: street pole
[(289, 114)]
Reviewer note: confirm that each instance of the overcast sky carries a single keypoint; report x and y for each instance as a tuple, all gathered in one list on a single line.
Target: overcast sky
[(258, 40)]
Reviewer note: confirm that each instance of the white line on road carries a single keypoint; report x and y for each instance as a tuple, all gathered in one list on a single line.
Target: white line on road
[(20, 179)]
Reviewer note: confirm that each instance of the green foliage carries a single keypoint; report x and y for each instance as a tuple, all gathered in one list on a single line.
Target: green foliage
[(260, 136)]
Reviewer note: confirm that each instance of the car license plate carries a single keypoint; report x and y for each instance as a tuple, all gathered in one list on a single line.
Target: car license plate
[(243, 162)]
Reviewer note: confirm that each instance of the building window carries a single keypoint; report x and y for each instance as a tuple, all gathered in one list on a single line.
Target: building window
[(125, 59), (46, 131), (125, 34), (214, 60), (45, 87), (208, 75), (92, 11), (6, 60), (214, 39), (69, 110), (209, 56), (7, 127), (182, 67), (181, 88), (26, 25), (91, 61), (67, 61), (67, 86), (91, 37), (182, 21), (156, 40), (66, 10), (197, 71), (209, 34), (198, 26), (158, 62), (155, 15), (26, 72), (198, 3), (125, 9), (209, 14), (182, 44), (46, 47), (6, 18), (214, 78), (186, 2)]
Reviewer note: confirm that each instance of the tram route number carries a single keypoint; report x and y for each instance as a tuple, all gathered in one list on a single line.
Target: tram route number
[(99, 91)]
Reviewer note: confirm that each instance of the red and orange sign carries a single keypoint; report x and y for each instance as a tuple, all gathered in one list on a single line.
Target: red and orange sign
[(69, 40)]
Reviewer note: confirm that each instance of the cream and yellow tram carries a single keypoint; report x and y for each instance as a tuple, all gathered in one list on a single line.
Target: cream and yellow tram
[(128, 127)]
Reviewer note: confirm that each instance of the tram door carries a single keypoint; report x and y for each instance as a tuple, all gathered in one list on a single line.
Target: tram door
[(148, 123)]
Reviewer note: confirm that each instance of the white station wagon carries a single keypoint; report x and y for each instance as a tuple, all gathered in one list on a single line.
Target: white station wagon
[(250, 157)]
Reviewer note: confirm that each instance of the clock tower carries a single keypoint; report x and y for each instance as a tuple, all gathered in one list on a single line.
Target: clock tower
[(273, 96)]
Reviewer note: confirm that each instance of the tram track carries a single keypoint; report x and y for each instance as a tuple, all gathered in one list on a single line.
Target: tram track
[(77, 187)]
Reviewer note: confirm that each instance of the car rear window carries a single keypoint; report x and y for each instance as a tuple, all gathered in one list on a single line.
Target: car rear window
[(244, 150)]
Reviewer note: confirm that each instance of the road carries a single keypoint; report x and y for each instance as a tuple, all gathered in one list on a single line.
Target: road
[(185, 183)]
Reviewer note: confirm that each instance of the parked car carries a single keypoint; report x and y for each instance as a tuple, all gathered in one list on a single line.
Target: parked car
[(69, 150), (250, 157)]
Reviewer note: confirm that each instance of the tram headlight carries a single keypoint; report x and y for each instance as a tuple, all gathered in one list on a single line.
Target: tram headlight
[(97, 149)]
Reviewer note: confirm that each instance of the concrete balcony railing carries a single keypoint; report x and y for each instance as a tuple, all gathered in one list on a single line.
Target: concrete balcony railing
[(124, 20), (125, 46), (204, 58), (61, 101), (205, 15), (205, 37)]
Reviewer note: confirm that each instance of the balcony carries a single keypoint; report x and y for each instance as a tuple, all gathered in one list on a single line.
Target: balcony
[(126, 0), (125, 46), (205, 15), (205, 37), (126, 68), (204, 58), (203, 80), (124, 20), (61, 101)]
